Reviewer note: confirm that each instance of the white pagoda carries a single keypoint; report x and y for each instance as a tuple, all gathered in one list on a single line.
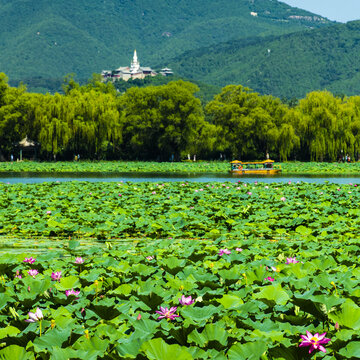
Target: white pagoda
[(135, 71)]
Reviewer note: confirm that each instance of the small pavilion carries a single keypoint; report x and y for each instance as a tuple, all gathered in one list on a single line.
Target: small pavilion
[(27, 148)]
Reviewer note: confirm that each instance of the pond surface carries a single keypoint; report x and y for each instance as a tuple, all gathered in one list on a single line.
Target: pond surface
[(36, 245), (39, 177)]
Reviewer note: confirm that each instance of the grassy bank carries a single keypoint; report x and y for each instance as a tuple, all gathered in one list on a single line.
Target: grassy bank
[(169, 167)]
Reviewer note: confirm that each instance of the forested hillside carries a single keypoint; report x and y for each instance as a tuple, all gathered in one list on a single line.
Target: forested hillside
[(285, 66), (168, 121), (50, 39)]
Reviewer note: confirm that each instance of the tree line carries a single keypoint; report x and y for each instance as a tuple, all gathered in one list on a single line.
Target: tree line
[(169, 122)]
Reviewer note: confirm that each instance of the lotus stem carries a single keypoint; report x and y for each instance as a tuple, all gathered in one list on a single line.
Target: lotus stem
[(333, 284)]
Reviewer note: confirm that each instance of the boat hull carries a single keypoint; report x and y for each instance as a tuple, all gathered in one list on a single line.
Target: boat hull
[(256, 172)]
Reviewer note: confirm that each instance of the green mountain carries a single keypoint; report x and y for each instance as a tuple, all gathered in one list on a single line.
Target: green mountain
[(289, 65), (48, 39)]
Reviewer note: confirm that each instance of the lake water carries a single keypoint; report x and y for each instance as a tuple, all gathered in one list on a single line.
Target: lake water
[(36, 177)]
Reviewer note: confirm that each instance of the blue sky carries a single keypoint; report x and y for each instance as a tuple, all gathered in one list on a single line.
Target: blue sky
[(339, 10)]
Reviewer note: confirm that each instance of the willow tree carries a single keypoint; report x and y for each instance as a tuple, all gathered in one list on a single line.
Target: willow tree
[(16, 115), (54, 133), (249, 122), (319, 126), (94, 122), (161, 121)]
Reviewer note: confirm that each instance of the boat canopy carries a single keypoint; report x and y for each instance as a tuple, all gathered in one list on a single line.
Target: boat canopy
[(252, 162)]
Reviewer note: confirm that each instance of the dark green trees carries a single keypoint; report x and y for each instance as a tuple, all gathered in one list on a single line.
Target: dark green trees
[(168, 122), (161, 122), (251, 125)]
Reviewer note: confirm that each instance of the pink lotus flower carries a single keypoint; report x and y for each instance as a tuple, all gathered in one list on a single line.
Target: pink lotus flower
[(239, 249), (56, 276), (283, 198), (154, 192), (270, 279), (72, 292), (18, 275), (79, 260), (314, 341), (186, 300), (291, 260), (167, 313), (36, 316), (33, 272), (224, 251), (249, 193), (138, 317), (150, 258), (48, 212), (29, 260)]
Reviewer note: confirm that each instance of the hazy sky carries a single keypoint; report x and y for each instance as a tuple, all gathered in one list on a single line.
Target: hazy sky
[(339, 10)]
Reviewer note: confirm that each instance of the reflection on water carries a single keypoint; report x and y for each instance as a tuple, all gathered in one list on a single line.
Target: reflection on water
[(39, 177), (35, 245)]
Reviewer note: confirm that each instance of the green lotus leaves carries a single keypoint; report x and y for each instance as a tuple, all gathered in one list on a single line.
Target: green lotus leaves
[(348, 315), (249, 351), (9, 331), (170, 167), (211, 332), (230, 301), (15, 352), (252, 301), (273, 294), (97, 210), (54, 338), (158, 349), (351, 350)]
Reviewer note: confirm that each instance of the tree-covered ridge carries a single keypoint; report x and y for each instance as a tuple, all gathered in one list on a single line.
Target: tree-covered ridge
[(169, 122), (53, 38), (94, 121), (285, 66)]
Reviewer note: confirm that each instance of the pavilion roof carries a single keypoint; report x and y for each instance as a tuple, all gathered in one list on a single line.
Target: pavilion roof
[(27, 142)]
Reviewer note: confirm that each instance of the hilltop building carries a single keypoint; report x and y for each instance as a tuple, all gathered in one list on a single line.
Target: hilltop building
[(135, 71), (166, 72)]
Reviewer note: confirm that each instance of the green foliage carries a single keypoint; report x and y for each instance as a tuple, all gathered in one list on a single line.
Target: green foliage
[(47, 40), (264, 322), (185, 167), (169, 121), (168, 114), (288, 65), (143, 210), (251, 125)]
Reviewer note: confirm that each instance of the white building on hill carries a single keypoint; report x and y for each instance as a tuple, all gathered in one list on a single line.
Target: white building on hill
[(135, 71)]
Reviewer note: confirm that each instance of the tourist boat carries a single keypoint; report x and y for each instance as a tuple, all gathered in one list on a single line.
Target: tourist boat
[(266, 167)]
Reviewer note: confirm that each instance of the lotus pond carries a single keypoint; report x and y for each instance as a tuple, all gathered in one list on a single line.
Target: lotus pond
[(179, 270), (180, 210), (188, 299), (172, 167)]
